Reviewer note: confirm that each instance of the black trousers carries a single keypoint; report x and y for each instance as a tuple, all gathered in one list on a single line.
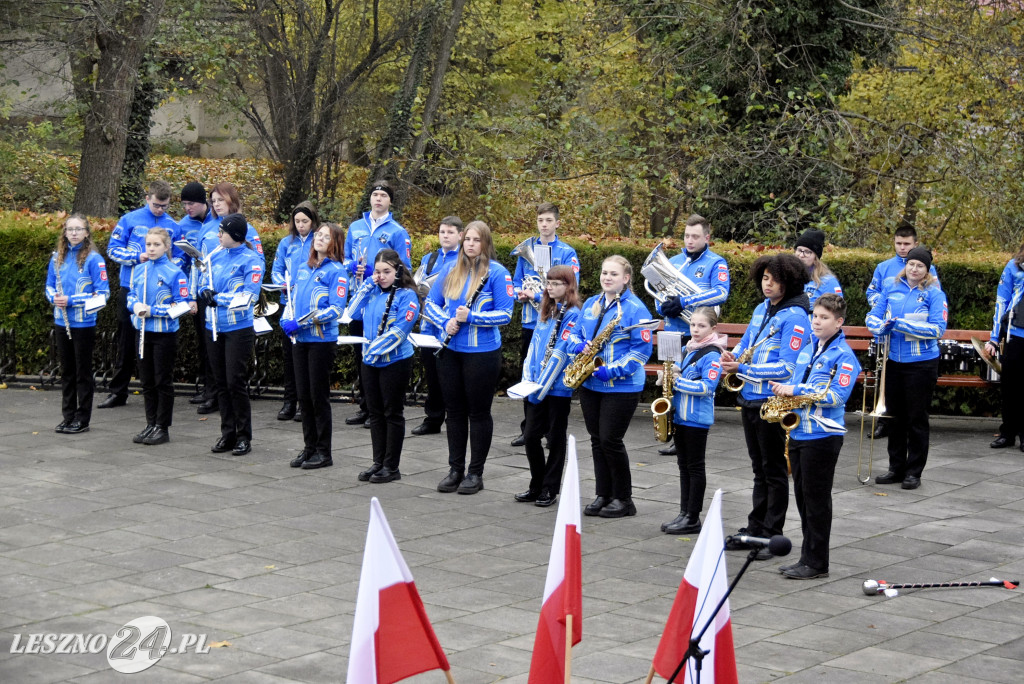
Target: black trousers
[(814, 466), (384, 389), (607, 416), (433, 408), (291, 392), (1010, 389), (691, 444), (313, 362), (770, 498), (127, 349), (908, 396), (468, 380), (202, 361), (549, 417), (76, 381), (156, 370), (524, 349), (229, 358), (356, 328)]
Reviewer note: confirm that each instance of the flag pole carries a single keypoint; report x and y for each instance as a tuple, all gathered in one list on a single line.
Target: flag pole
[(448, 676), (650, 675), (568, 649)]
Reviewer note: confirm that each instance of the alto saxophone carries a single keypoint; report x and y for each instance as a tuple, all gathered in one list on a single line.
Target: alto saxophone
[(782, 410), (585, 363), (662, 406), (732, 381)]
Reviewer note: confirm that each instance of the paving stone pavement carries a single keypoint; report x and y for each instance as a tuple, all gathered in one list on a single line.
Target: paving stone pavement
[(96, 531)]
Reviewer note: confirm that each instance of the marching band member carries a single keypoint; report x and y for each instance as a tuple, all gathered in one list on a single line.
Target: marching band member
[(234, 271), (912, 311), (1008, 324), (561, 253), (470, 301), (809, 248), (449, 235), (390, 305), (157, 284), (127, 246), (707, 270), (610, 395), (319, 293), (547, 410), (777, 332), (76, 273), (197, 215), (828, 368), (693, 414), (293, 251)]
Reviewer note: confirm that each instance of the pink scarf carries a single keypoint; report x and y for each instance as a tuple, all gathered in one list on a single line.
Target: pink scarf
[(720, 341)]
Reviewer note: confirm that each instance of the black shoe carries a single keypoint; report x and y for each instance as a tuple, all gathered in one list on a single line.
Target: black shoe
[(146, 432), (763, 554), (223, 444), (668, 451), (76, 427), (733, 542), (618, 508), (450, 483), (208, 407), (881, 429), (357, 419), (519, 441), (889, 478), (911, 482), (675, 521), (690, 524), (471, 484), (157, 436), (198, 398), (298, 414), (783, 569), (804, 572), (1002, 442), (367, 424), (113, 401), (426, 428), (287, 411), (529, 496), (595, 506), (61, 426), (303, 456), (242, 447), (545, 499), (370, 472), (318, 461), (385, 475)]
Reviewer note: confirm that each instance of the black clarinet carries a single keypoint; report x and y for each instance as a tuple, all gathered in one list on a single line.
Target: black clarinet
[(387, 310), (469, 305), (550, 347)]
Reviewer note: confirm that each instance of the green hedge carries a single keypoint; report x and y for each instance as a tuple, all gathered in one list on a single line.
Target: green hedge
[(27, 240)]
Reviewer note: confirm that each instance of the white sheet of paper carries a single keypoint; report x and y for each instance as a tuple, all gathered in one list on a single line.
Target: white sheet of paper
[(670, 346), (542, 258), (240, 301), (424, 341), (95, 303), (352, 339), (261, 325), (523, 389), (179, 309), (273, 287), (186, 247)]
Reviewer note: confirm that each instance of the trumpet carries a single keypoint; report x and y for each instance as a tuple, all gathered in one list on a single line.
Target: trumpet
[(875, 384), (732, 381), (663, 281), (662, 406), (782, 410)]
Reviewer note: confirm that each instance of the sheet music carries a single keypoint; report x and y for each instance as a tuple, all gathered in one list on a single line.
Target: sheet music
[(240, 301), (424, 341), (95, 303), (186, 247), (273, 287), (261, 326), (523, 389), (352, 339), (670, 346), (542, 258), (178, 309)]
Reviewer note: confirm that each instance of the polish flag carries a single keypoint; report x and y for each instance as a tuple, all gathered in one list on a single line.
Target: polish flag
[(563, 589), (704, 584), (391, 637)]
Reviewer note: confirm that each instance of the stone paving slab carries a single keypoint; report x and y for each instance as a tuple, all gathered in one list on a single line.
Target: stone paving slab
[(96, 531)]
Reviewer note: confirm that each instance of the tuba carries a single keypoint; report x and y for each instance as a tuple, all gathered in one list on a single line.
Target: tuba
[(782, 410), (423, 281), (533, 283), (585, 363), (661, 407), (662, 280)]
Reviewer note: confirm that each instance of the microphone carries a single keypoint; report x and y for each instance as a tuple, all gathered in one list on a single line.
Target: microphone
[(778, 545)]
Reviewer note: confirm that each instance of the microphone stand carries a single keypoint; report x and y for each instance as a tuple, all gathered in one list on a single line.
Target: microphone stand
[(695, 651)]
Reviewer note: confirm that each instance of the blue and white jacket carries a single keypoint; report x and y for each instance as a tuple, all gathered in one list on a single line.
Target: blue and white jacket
[(78, 285), (626, 351), (192, 232), (128, 241), (292, 253), (707, 270), (561, 255), (885, 274), (911, 340), (235, 270), (694, 385), (492, 309), (550, 375), (388, 343), (829, 285), (1008, 294), (164, 284), (209, 240), (827, 417), (785, 329), (443, 259), (323, 290)]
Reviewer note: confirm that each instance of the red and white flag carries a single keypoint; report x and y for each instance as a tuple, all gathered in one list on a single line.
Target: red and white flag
[(391, 637), (704, 584), (563, 589)]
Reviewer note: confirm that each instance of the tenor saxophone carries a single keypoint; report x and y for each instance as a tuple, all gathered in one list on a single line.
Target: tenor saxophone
[(783, 410), (585, 363), (662, 406)]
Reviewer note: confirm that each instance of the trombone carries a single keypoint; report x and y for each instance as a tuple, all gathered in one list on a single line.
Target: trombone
[(875, 384)]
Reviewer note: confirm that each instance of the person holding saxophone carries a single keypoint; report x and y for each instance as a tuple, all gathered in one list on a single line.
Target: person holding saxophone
[(609, 365), (825, 375)]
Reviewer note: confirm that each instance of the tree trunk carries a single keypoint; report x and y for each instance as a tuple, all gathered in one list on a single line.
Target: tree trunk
[(626, 209), (121, 44), (137, 145)]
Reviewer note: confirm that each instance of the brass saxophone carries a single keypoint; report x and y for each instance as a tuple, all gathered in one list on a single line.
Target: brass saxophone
[(732, 381), (662, 406), (585, 363), (782, 410)]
